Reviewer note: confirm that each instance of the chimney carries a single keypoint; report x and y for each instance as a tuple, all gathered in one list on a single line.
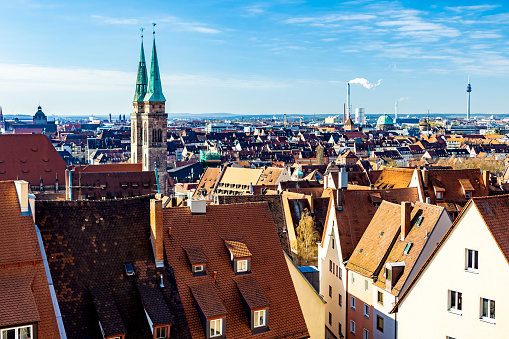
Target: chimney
[(486, 179), (22, 191), (406, 210), (197, 206), (425, 177), (156, 230)]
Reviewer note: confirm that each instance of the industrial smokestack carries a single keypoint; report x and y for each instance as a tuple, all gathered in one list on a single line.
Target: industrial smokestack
[(469, 89), (348, 99)]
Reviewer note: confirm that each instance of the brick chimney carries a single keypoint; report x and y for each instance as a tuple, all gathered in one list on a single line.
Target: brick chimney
[(156, 230), (486, 179), (406, 210)]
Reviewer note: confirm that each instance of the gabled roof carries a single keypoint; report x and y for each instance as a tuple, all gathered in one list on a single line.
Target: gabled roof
[(237, 248), (358, 208), (253, 223), (30, 157), (25, 294), (251, 292), (87, 244), (394, 177)]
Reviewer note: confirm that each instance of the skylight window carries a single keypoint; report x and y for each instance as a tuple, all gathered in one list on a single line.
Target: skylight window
[(407, 248), (419, 221), (129, 270)]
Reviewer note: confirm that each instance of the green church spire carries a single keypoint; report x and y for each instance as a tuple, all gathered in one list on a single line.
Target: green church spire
[(141, 81), (155, 90)]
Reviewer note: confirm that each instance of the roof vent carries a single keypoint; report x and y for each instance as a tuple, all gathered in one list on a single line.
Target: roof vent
[(129, 270)]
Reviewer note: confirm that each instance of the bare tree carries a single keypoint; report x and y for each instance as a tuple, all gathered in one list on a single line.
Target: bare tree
[(306, 239)]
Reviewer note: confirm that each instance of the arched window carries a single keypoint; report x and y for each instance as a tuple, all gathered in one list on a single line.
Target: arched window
[(154, 135), (159, 135)]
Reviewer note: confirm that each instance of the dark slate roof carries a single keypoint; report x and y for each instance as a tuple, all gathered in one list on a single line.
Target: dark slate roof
[(107, 311), (87, 244), (207, 299)]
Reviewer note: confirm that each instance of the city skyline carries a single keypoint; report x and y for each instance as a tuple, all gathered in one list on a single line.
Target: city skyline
[(256, 57)]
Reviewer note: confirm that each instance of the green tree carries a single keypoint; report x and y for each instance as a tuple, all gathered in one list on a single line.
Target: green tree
[(306, 239)]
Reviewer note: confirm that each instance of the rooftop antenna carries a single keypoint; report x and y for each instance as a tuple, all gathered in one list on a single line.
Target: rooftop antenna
[(469, 89)]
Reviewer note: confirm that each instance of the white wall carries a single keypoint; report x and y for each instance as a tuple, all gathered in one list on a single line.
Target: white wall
[(424, 312)]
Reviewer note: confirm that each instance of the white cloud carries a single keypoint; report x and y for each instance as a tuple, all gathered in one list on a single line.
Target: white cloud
[(114, 21), (476, 8), (189, 26), (327, 19)]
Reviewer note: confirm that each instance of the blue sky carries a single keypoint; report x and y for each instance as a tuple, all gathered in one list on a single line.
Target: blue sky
[(273, 57)]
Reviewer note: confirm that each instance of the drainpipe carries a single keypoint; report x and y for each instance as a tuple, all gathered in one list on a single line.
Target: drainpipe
[(70, 185), (157, 179)]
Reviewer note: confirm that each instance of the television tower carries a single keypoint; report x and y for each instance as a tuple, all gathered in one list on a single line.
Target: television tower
[(469, 89)]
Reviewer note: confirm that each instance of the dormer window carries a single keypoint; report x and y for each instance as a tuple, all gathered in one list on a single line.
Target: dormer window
[(240, 256), (199, 268), (216, 328), (22, 332), (468, 195), (259, 318), (440, 195), (242, 266), (197, 260)]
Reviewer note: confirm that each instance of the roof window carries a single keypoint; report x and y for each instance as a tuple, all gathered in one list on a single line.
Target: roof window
[(407, 248), (129, 270), (240, 256)]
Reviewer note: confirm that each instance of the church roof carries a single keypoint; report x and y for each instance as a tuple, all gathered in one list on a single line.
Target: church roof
[(385, 120), (155, 89), (141, 80), (39, 114)]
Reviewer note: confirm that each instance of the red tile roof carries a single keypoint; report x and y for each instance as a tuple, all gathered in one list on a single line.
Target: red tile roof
[(28, 157), (25, 294), (206, 297), (251, 292), (108, 168), (495, 212), (253, 223), (237, 248)]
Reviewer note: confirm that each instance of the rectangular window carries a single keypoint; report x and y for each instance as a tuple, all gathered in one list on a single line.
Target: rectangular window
[(333, 269), (388, 274), (330, 291), (366, 285), (455, 301), (467, 194), (366, 334), (407, 247), (259, 318), (353, 278), (337, 270), (242, 266), (198, 268), (440, 195), (332, 242), (352, 302), (366, 311), (380, 323), (22, 332), (352, 326), (330, 318), (488, 309), (330, 265), (216, 327), (162, 332), (380, 297), (472, 260), (340, 273), (340, 300), (340, 330)]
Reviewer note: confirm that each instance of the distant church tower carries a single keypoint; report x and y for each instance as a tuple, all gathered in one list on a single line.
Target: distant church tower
[(150, 119)]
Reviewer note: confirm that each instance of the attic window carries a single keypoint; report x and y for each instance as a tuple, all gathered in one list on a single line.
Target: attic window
[(242, 266), (17, 332), (360, 251), (129, 270), (440, 195), (407, 248)]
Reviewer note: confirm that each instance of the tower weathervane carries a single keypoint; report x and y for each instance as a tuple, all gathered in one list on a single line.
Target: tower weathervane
[(142, 29), (154, 28)]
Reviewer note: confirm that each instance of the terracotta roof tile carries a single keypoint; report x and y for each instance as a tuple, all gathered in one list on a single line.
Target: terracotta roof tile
[(28, 157), (195, 255), (237, 248), (207, 299), (394, 178), (107, 311), (17, 299), (253, 223), (251, 292)]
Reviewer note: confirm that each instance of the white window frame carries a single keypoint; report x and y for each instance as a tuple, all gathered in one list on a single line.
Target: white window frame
[(16, 331), (158, 335), (440, 195), (365, 334), (471, 255), (352, 326), (488, 317), (352, 302), (455, 302), (366, 285), (199, 268), (239, 268), (216, 322), (366, 308), (352, 275), (260, 314)]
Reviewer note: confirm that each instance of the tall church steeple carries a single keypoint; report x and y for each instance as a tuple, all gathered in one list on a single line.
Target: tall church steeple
[(154, 124), (141, 81), (138, 107), (155, 90)]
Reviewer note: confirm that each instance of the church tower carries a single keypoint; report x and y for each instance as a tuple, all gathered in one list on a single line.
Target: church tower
[(138, 108), (154, 123)]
